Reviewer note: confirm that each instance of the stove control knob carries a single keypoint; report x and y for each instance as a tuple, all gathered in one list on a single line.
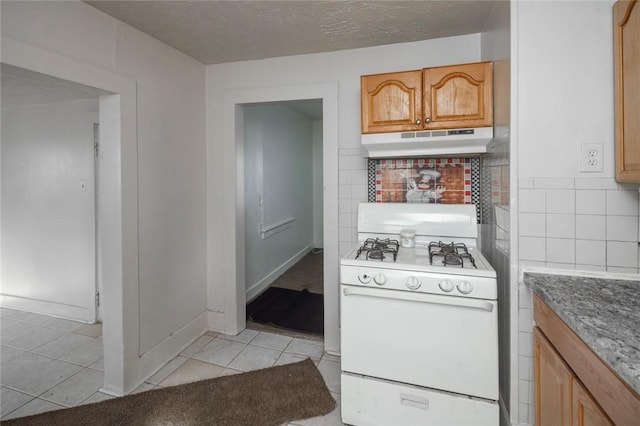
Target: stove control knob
[(464, 287), (364, 278), (446, 286), (413, 283), (380, 279)]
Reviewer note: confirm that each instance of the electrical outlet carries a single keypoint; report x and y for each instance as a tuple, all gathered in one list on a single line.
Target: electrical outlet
[(591, 157)]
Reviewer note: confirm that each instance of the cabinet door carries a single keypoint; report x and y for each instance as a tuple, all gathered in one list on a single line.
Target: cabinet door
[(626, 16), (391, 102), (552, 379), (586, 411), (458, 96)]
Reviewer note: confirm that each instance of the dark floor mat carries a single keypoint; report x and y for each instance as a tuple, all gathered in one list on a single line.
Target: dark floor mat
[(270, 304), (290, 309)]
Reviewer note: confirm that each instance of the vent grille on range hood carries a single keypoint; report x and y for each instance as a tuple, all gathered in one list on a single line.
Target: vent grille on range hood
[(428, 143)]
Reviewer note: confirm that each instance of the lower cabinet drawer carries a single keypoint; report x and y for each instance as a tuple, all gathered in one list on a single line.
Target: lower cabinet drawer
[(370, 401)]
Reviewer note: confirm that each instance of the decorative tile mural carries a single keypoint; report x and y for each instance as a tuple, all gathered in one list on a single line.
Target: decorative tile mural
[(425, 180)]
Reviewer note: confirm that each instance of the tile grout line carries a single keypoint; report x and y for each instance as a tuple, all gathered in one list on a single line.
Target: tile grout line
[(84, 368)]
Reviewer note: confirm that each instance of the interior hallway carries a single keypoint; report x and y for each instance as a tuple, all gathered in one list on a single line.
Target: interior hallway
[(49, 363), (306, 274)]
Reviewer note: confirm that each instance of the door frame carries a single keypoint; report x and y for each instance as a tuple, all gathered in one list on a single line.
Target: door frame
[(118, 200), (83, 307), (233, 156)]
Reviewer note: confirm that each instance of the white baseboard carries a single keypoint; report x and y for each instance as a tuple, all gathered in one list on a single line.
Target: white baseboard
[(54, 309), (262, 285), (216, 321)]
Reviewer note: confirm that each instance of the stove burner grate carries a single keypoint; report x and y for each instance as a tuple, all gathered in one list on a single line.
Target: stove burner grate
[(450, 254), (377, 249)]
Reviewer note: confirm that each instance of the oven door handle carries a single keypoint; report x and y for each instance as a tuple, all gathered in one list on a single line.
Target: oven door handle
[(420, 297)]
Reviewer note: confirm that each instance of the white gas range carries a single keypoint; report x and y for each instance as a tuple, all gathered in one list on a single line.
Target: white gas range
[(419, 328)]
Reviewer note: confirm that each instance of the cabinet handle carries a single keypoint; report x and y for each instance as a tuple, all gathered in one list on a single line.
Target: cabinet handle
[(418, 121), (427, 119)]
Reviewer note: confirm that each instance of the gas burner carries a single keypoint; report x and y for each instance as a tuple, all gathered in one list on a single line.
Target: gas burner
[(376, 249), (450, 254)]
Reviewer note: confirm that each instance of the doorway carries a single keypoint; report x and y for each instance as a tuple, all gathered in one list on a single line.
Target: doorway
[(118, 190), (49, 195), (234, 319), (49, 300), (283, 215)]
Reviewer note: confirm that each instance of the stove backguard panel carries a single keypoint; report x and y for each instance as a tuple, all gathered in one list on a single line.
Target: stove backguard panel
[(425, 180)]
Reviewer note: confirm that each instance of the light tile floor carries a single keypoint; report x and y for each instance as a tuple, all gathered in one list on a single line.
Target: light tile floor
[(49, 363)]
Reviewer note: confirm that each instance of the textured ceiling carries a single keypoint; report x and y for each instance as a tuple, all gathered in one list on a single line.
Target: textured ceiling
[(225, 31), (22, 87)]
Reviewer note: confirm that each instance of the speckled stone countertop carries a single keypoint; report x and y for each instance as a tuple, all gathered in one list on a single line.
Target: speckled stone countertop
[(604, 313)]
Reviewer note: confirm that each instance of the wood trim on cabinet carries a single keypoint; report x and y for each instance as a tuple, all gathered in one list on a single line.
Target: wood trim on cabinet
[(553, 380), (627, 164), (478, 75), (585, 411), (618, 400), (402, 111)]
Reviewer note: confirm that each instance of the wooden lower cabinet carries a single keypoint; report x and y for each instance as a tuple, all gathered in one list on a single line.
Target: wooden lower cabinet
[(560, 398), (586, 412), (552, 379)]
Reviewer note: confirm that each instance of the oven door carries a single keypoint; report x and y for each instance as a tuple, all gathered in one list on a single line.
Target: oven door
[(441, 342)]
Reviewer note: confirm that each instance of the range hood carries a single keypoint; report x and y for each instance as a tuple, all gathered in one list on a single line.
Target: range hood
[(428, 143)]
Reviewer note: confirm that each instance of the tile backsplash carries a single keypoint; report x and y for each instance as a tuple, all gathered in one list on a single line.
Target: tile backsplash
[(578, 223), (424, 180), (571, 223)]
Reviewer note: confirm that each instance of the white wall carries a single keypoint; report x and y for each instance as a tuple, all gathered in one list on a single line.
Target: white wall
[(316, 143), (161, 302), (343, 68), (495, 187), (567, 219), (565, 99), (48, 214), (278, 187)]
